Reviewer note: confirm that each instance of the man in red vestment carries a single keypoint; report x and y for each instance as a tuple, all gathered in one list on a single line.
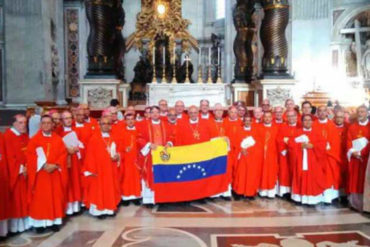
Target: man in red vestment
[(290, 106), (266, 106), (257, 115), (308, 147), (4, 192), (248, 167), (358, 137), (172, 125), (192, 131), (74, 164), (204, 114), (16, 141), (163, 109), (217, 127), (269, 178), (101, 166), (154, 133), (47, 177), (88, 119), (325, 126), (337, 152), (286, 132), (180, 111), (130, 181), (307, 109), (278, 115)]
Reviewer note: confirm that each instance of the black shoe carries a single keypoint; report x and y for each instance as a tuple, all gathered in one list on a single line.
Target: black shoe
[(3, 239), (228, 199), (149, 206), (55, 228), (137, 202), (102, 217), (40, 230), (125, 203), (201, 201), (250, 198), (287, 196), (237, 197), (344, 200)]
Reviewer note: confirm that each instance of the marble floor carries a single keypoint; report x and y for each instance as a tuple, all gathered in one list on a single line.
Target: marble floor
[(262, 222)]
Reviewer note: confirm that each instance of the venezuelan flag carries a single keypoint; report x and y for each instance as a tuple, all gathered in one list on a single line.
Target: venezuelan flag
[(191, 172)]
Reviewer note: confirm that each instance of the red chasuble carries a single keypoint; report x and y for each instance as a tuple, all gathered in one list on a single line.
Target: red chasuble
[(74, 165), (101, 174), (189, 133), (47, 191), (248, 167), (130, 171), (4, 183), (357, 167), (337, 156), (232, 128), (270, 161), (308, 178), (16, 147), (154, 134), (286, 132)]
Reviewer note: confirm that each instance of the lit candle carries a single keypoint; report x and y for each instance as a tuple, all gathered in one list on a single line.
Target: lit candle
[(209, 56)]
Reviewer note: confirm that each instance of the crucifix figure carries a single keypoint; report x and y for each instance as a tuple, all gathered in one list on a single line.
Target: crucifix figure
[(187, 60)]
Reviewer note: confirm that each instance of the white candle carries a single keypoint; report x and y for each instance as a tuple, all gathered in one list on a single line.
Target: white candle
[(153, 55), (218, 56), (200, 56), (164, 55), (209, 56)]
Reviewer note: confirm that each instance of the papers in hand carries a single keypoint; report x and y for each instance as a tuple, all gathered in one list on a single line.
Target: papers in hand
[(41, 158), (302, 139), (113, 150), (71, 140), (359, 144), (248, 142)]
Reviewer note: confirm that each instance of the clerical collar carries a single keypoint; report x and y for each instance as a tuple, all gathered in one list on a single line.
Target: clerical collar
[(278, 121), (247, 128), (363, 123), (267, 125), (204, 116), (105, 134), (293, 125), (304, 129), (156, 121), (88, 120), (16, 132), (163, 114), (233, 120), (257, 120), (340, 126), (79, 125), (179, 116), (130, 128), (45, 134), (219, 120), (172, 121), (193, 121), (323, 121), (66, 129)]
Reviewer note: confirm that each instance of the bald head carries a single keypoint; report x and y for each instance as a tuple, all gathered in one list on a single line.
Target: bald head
[(218, 111), (257, 113), (171, 115), (193, 112), (105, 124), (289, 104), (233, 113), (266, 105), (279, 112), (179, 107), (362, 113), (67, 119), (291, 117)]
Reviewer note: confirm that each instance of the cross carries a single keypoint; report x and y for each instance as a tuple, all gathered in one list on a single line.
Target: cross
[(357, 30)]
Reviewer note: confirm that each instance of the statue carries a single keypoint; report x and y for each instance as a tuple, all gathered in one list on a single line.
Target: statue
[(366, 62), (215, 60), (105, 44), (245, 34)]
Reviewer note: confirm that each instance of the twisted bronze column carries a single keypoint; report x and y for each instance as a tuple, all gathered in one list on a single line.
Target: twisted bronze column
[(105, 42), (274, 62)]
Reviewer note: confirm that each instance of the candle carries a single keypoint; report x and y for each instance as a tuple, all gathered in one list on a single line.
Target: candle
[(153, 55), (174, 54), (209, 56), (164, 55), (218, 56)]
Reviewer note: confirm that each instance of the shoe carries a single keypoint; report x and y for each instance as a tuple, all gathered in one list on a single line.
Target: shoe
[(228, 199), (137, 202), (125, 203), (55, 228), (40, 230), (102, 217)]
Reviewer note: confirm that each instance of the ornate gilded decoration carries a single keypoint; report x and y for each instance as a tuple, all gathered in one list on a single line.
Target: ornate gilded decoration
[(151, 24)]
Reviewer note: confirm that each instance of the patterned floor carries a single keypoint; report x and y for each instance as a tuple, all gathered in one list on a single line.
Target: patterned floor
[(262, 222)]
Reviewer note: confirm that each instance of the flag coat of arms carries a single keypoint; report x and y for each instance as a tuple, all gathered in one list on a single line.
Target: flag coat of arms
[(190, 172)]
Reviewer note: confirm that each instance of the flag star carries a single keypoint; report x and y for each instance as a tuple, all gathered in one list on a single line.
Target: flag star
[(194, 166), (204, 174), (178, 177), (189, 166), (184, 169), (180, 171)]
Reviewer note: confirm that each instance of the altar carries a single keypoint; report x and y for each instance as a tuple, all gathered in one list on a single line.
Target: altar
[(191, 94)]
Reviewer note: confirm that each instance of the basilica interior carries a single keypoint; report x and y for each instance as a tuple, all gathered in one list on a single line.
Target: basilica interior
[(56, 53)]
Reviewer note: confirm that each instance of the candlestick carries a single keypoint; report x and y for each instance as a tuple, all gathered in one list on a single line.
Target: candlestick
[(153, 55), (187, 59), (164, 55), (209, 56), (219, 80), (200, 74), (200, 56), (209, 80), (218, 55)]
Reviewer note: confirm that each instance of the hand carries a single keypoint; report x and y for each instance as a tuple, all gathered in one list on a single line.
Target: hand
[(286, 139), (72, 150), (244, 151), (24, 173), (128, 149), (153, 146), (115, 158), (49, 168), (307, 145), (357, 155)]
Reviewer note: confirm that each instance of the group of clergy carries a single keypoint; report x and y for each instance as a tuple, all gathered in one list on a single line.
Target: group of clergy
[(73, 161)]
